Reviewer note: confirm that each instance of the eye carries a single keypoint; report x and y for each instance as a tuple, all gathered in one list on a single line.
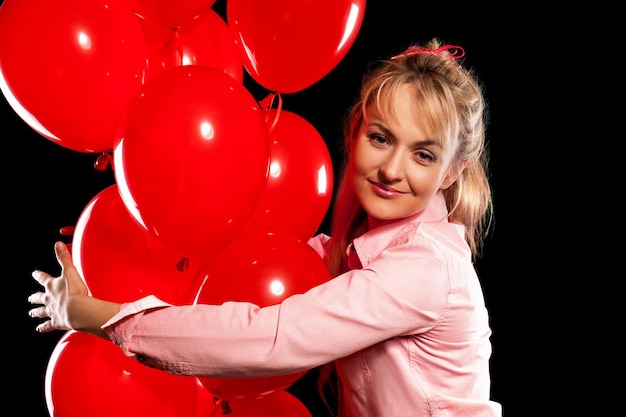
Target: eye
[(424, 156), (377, 139)]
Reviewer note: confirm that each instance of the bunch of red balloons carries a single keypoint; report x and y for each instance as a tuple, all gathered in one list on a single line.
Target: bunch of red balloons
[(216, 193)]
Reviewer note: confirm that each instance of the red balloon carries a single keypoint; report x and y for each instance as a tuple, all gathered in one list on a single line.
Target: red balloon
[(204, 40), (300, 181), (88, 376), (288, 45), (263, 269), (277, 404), (170, 13), (68, 68), (191, 158), (121, 262), (207, 404)]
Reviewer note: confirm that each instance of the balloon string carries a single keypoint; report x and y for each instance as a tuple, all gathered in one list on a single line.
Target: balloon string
[(180, 55), (172, 50), (267, 103)]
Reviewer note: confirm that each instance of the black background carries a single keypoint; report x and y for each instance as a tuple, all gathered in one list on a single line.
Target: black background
[(46, 186)]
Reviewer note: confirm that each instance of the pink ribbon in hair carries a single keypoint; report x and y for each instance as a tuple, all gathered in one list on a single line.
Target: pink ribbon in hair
[(454, 51)]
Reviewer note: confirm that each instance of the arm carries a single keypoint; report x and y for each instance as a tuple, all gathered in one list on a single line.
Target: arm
[(66, 300)]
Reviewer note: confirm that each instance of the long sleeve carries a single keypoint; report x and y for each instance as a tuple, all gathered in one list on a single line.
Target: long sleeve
[(241, 339)]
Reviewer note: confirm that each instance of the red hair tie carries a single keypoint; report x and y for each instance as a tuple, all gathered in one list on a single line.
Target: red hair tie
[(454, 51)]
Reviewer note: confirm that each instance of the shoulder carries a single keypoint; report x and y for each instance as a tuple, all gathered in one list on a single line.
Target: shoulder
[(444, 236)]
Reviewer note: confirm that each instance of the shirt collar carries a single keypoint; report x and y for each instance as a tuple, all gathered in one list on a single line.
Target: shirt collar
[(370, 244)]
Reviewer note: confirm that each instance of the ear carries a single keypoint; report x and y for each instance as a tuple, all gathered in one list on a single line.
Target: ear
[(452, 175)]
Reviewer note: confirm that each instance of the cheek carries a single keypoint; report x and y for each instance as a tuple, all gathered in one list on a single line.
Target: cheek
[(363, 159), (357, 175), (424, 181)]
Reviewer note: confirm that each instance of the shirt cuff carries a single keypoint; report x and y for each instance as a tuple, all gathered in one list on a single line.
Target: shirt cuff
[(129, 309)]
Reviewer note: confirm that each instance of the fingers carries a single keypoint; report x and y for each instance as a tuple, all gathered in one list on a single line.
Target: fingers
[(41, 312), (36, 298), (73, 280), (45, 327), (64, 256), (68, 231), (38, 312), (48, 304), (41, 277)]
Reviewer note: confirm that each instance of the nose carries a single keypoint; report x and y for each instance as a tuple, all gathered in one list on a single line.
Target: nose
[(393, 167)]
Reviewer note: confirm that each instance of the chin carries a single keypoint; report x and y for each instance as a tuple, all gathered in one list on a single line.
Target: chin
[(381, 213)]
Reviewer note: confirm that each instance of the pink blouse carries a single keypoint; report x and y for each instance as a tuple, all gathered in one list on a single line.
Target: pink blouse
[(408, 330)]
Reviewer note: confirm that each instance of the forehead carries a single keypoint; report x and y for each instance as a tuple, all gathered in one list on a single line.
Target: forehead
[(402, 111)]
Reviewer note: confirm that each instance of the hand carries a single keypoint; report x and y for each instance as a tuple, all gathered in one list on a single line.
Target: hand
[(54, 302)]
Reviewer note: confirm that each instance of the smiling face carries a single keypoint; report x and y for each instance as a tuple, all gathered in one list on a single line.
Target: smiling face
[(397, 164)]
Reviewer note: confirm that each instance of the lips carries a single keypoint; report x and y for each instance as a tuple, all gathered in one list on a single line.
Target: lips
[(385, 191)]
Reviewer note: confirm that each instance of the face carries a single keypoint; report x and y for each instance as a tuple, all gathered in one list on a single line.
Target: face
[(397, 164)]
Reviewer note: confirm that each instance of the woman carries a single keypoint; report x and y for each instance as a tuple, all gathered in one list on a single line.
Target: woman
[(403, 322)]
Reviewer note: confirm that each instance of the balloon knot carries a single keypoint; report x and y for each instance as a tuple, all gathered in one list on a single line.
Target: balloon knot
[(183, 264), (103, 161)]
